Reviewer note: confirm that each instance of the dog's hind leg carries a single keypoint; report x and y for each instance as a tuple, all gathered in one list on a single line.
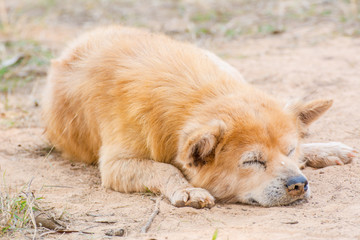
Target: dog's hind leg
[(320, 155)]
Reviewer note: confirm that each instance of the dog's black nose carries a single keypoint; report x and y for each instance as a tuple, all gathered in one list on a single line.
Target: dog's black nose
[(297, 186)]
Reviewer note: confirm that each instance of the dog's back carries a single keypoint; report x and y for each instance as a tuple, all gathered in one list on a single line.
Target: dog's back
[(129, 87)]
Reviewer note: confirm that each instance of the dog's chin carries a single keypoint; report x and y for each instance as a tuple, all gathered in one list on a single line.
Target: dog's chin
[(275, 200), (266, 204)]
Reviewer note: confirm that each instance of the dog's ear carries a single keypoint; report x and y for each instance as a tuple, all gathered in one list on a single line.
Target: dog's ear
[(309, 112), (198, 142)]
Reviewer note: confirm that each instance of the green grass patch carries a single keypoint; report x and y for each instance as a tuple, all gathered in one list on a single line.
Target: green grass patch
[(17, 209), (215, 235)]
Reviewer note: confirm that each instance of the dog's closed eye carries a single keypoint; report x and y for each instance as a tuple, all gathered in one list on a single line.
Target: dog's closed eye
[(255, 158), (253, 162)]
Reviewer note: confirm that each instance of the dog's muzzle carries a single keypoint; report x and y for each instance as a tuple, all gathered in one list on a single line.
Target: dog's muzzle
[(297, 186)]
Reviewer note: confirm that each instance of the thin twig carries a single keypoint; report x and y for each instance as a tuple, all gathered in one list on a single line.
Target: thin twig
[(46, 233), (156, 211), (56, 186), (64, 231), (99, 215)]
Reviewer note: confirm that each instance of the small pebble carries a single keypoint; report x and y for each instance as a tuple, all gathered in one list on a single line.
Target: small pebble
[(115, 232)]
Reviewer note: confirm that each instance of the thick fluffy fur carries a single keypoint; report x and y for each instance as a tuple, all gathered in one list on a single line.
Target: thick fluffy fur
[(151, 110)]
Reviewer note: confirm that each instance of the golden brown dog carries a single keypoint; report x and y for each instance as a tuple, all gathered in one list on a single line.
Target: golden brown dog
[(163, 115)]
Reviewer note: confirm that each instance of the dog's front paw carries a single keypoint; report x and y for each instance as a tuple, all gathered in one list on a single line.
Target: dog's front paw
[(192, 197), (327, 154)]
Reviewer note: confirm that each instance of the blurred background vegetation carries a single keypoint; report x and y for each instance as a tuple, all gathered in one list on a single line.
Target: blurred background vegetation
[(33, 31), (28, 53)]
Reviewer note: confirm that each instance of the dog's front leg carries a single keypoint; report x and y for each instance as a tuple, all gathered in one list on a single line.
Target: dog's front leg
[(138, 175), (320, 155)]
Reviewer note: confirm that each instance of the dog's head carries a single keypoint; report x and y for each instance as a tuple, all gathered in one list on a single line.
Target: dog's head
[(252, 155)]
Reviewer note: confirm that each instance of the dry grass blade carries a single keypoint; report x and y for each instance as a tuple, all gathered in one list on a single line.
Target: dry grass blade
[(30, 199)]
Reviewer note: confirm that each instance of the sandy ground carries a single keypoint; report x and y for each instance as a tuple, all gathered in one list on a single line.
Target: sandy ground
[(298, 64)]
